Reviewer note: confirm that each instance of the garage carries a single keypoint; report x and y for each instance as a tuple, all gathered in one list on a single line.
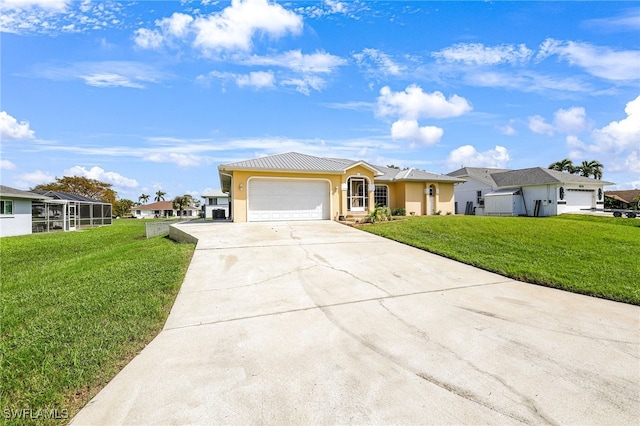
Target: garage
[(578, 199), (287, 199)]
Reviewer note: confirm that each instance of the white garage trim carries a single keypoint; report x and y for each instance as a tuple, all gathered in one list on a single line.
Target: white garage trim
[(280, 199)]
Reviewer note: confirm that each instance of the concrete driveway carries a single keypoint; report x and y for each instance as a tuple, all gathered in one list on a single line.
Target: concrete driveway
[(319, 323)]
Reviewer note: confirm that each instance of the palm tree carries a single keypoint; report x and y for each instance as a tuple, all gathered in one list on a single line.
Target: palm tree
[(160, 195), (143, 198), (564, 165), (180, 202), (596, 169)]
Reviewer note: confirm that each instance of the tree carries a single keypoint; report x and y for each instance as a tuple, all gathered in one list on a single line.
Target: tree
[(589, 168), (160, 195), (143, 198), (564, 165), (180, 202), (122, 207), (79, 185)]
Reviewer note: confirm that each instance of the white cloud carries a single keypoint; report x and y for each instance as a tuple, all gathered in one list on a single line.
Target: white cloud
[(622, 134), (318, 62), (537, 124), (602, 62), (110, 80), (54, 5), (100, 174), (305, 84), (7, 165), (231, 29), (29, 180), (410, 130), (468, 156), (572, 120), (383, 62), (11, 129), (413, 104), (182, 160), (479, 54), (508, 129), (258, 80), (104, 74)]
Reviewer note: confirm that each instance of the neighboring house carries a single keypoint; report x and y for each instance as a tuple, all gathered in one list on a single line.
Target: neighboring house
[(215, 201), (295, 186), (534, 191), (624, 199), (16, 211), (27, 212), (163, 209)]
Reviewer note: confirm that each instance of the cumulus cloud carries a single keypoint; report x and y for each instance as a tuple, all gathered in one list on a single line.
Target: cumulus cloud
[(598, 61), (11, 129), (54, 5), (413, 103), (469, 156), (102, 175), (410, 130), (479, 54), (29, 180), (232, 29), (622, 134), (572, 120)]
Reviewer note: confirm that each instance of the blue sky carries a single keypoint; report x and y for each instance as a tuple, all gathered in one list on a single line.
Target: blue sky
[(153, 95)]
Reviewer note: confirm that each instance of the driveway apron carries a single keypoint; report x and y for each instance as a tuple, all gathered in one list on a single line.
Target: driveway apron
[(320, 323)]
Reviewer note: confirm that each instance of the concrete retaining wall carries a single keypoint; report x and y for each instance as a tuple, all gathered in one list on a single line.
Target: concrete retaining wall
[(180, 236), (157, 228)]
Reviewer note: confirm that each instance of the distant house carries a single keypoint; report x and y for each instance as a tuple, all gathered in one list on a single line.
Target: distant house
[(623, 199), (27, 212), (163, 209), (534, 191), (215, 201)]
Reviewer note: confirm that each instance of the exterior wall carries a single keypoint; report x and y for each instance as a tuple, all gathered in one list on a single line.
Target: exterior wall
[(415, 200), (545, 193), (445, 198), (18, 223), (414, 197), (565, 206), (468, 191), (503, 205), (221, 203)]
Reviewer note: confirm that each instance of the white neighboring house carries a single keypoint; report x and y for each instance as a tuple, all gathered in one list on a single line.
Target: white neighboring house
[(215, 200), (16, 211), (535, 191), (163, 209)]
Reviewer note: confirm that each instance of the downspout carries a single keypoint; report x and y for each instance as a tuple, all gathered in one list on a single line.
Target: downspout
[(524, 202)]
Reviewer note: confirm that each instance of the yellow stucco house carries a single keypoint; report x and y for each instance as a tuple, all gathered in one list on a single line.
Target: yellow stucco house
[(295, 186)]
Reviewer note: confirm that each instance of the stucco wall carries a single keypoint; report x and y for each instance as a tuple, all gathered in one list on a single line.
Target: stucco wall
[(18, 223)]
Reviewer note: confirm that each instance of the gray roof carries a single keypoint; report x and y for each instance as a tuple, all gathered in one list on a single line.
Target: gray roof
[(215, 193), (57, 195), (415, 175), (540, 176), (483, 174), (7, 191)]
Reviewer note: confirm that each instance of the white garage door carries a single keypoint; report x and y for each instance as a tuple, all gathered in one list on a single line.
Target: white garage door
[(578, 199), (287, 199)]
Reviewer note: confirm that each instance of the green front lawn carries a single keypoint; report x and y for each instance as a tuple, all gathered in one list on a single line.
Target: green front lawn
[(597, 256), (76, 307)]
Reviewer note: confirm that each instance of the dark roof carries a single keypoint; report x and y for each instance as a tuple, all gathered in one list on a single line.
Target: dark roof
[(626, 196), (540, 176), (57, 195), (7, 191), (161, 205)]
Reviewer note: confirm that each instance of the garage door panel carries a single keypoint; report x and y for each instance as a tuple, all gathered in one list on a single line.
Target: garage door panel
[(287, 199)]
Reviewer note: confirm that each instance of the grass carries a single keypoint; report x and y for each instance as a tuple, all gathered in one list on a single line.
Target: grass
[(76, 307), (596, 256)]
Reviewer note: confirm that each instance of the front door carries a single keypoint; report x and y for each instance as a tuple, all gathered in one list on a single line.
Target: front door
[(357, 194)]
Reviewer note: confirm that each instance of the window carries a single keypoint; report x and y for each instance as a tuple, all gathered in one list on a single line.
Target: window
[(381, 195), (6, 207)]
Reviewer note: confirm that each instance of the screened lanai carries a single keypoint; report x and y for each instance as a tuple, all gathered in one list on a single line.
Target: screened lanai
[(67, 212)]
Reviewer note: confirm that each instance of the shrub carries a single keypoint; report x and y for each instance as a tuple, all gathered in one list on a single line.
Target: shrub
[(379, 214), (399, 212)]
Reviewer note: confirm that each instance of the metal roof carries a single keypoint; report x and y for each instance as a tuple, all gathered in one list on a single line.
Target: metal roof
[(482, 174), (290, 162)]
